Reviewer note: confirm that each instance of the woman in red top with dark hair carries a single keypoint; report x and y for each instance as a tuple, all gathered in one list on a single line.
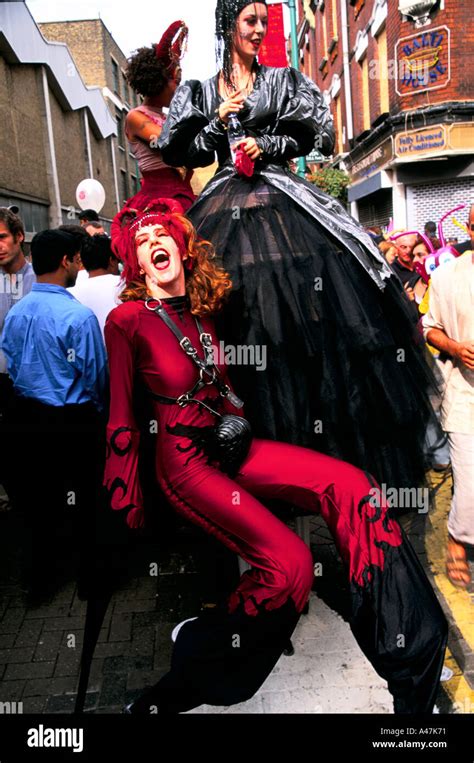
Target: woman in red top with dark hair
[(169, 272)]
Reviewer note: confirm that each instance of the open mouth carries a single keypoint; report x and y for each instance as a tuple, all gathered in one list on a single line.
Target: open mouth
[(256, 43), (161, 259)]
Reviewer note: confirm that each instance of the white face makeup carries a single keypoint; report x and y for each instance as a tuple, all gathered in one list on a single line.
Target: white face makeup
[(251, 28), (159, 258)]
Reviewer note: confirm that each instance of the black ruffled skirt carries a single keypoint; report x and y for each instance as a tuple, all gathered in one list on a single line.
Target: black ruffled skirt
[(338, 364)]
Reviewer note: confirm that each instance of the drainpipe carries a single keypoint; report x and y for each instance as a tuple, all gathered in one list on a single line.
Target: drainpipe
[(114, 168), (347, 86), (295, 62), (55, 212), (346, 70), (88, 144)]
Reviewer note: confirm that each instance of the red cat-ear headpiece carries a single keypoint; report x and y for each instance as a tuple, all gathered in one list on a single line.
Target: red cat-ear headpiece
[(165, 212)]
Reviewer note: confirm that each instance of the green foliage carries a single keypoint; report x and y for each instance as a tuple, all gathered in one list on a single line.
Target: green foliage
[(332, 181)]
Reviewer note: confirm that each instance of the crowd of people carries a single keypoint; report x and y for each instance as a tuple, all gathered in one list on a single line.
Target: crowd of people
[(103, 336), (439, 282)]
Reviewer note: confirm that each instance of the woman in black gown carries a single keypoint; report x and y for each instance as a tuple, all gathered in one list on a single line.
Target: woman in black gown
[(345, 371)]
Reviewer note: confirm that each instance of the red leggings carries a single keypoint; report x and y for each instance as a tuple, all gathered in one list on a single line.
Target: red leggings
[(282, 565), (390, 592)]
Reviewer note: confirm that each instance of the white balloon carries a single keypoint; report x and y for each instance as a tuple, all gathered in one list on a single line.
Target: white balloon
[(90, 194)]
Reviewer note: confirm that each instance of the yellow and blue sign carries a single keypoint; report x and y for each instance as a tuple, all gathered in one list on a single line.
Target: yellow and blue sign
[(423, 61)]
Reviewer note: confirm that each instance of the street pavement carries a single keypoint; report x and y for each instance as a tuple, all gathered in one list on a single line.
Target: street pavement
[(328, 673)]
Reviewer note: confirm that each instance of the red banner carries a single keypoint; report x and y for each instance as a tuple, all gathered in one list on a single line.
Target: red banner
[(273, 50)]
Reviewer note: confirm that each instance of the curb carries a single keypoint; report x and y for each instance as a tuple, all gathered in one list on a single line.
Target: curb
[(457, 603)]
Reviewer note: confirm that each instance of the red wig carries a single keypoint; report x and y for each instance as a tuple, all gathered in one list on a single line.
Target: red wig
[(128, 221), (207, 284)]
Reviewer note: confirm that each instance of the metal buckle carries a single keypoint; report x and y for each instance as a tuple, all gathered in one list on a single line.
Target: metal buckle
[(206, 339), (212, 374), (183, 400), (186, 345), (206, 342), (152, 299)]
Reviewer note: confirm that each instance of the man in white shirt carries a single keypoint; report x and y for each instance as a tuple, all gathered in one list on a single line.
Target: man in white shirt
[(449, 326), (100, 290)]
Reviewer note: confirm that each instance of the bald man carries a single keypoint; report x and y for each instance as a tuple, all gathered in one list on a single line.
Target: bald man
[(404, 265)]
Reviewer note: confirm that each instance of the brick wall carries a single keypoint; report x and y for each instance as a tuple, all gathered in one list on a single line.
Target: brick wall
[(103, 172), (356, 24), (94, 51), (92, 47), (70, 146), (456, 15), (23, 141), (85, 41), (23, 166), (111, 49)]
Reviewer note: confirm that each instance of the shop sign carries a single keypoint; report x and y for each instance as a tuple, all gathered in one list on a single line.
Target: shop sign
[(316, 156), (421, 142), (429, 140), (461, 137), (457, 138), (423, 61), (371, 163)]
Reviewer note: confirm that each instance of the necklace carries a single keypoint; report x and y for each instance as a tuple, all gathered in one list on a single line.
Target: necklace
[(228, 93)]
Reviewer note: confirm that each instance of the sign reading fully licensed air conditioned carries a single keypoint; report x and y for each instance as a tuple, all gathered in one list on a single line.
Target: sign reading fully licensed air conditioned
[(423, 61), (438, 140), (429, 140)]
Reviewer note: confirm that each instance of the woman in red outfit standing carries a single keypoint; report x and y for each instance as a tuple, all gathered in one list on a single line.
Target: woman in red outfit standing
[(224, 655)]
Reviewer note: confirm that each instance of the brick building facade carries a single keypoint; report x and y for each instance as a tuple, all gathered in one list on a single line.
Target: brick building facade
[(102, 63), (401, 95), (54, 131)]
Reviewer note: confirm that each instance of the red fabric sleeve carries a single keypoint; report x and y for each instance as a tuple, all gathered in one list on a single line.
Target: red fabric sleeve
[(121, 467)]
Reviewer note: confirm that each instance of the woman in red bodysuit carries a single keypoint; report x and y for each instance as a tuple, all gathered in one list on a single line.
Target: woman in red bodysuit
[(224, 655)]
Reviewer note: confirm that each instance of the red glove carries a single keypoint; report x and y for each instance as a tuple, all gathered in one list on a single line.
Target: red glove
[(243, 164)]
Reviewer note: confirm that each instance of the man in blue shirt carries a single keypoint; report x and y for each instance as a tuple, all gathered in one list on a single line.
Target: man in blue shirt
[(57, 361), (53, 344)]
